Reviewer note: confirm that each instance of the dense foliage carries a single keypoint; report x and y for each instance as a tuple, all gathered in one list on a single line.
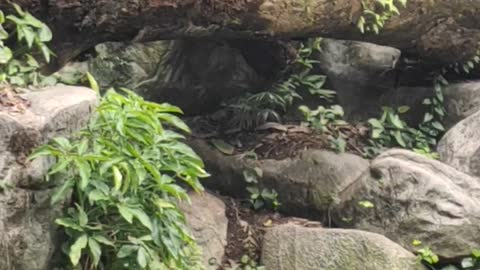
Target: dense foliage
[(124, 171), (21, 37)]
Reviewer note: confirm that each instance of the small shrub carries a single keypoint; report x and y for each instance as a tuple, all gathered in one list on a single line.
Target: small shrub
[(21, 37), (253, 110), (127, 171), (391, 131), (260, 197)]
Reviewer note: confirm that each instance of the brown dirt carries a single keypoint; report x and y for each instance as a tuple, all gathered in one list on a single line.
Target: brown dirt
[(10, 101), (246, 229), (280, 141)]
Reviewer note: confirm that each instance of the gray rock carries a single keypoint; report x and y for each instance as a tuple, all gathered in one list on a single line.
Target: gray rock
[(292, 247), (359, 72), (415, 198), (460, 146), (27, 233), (461, 101), (207, 219), (311, 181)]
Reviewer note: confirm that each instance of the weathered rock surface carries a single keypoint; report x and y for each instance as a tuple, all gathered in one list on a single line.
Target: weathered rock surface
[(412, 198), (207, 219), (206, 72), (461, 101), (27, 233), (292, 247), (311, 181), (460, 146), (359, 72)]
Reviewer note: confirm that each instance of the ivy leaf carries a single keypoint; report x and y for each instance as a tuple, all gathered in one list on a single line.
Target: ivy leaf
[(399, 138), (438, 126), (76, 249), (427, 117), (395, 120), (5, 54)]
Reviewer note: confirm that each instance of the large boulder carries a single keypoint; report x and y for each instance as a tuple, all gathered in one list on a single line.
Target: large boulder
[(207, 219), (461, 101), (407, 197), (365, 75), (360, 72), (460, 146), (27, 232), (307, 184), (292, 247)]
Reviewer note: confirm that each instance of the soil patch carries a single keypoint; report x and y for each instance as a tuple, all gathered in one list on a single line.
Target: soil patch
[(246, 229)]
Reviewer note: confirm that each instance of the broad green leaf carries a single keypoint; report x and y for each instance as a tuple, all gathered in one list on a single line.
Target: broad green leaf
[(376, 123), (126, 213), (3, 33), (476, 253), (142, 257), (62, 192), (142, 217), (223, 147), (126, 251), (395, 120), (438, 126), (60, 166), (45, 34), (376, 133), (117, 178), (403, 109), (93, 83), (85, 171), (427, 117), (102, 239), (399, 138), (82, 216), (5, 54), (76, 249), (29, 35), (174, 121), (68, 223), (95, 250)]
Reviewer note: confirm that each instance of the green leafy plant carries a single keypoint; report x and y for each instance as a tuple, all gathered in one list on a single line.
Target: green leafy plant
[(327, 121), (22, 36), (431, 260), (323, 119), (377, 12), (391, 131), (126, 172), (433, 118), (259, 197), (253, 110), (246, 263)]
